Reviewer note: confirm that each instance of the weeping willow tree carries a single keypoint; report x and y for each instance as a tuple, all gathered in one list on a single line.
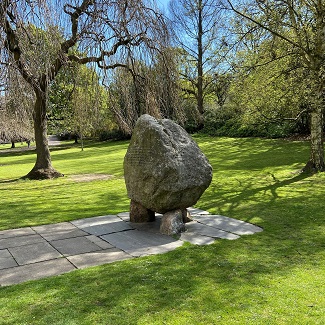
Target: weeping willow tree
[(149, 88), (106, 32), (15, 109)]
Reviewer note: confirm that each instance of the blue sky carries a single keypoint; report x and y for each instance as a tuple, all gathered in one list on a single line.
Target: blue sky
[(163, 3)]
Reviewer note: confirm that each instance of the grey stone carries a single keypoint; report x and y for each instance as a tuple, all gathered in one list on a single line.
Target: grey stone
[(196, 239), (172, 223), (6, 259), (102, 225), (164, 168), (34, 253), (138, 243), (125, 216), (95, 221), (20, 241), (16, 232), (107, 228), (204, 230), (58, 231), (35, 271), (98, 258), (99, 242), (153, 226), (196, 211), (74, 246), (4, 253), (235, 226), (7, 262)]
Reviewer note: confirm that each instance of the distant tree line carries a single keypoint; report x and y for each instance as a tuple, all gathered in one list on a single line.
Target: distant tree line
[(244, 68)]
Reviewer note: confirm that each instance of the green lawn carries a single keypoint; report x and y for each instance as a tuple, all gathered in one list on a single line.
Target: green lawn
[(273, 277)]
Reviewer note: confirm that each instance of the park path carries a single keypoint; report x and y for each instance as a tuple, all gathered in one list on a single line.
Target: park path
[(54, 140), (36, 252)]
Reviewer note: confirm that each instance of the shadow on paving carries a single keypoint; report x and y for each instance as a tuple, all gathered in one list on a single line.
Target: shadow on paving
[(41, 251)]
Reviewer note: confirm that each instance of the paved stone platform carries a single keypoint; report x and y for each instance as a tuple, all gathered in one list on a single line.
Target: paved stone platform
[(37, 252)]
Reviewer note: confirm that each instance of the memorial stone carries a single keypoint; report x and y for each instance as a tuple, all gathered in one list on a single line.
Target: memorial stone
[(164, 168)]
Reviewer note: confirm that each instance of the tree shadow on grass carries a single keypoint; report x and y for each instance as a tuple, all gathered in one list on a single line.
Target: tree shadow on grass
[(235, 197), (220, 277), (7, 181)]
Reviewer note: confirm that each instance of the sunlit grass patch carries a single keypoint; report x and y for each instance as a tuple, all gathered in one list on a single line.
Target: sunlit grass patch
[(272, 277)]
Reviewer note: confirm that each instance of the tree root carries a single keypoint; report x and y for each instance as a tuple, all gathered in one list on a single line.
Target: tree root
[(39, 174)]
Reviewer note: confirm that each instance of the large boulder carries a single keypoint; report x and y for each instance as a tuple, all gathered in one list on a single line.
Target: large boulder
[(164, 168)]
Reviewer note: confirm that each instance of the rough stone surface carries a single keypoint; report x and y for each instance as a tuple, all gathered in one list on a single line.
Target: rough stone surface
[(172, 223), (164, 168), (139, 213)]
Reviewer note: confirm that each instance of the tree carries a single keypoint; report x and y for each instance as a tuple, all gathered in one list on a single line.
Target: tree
[(16, 110), (270, 94), (149, 89), (77, 88), (106, 32), (301, 25), (196, 28)]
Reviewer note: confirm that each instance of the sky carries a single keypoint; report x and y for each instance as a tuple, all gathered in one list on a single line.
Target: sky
[(163, 3)]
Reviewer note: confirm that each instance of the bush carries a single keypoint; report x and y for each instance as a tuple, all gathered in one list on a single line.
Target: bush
[(223, 122), (113, 135)]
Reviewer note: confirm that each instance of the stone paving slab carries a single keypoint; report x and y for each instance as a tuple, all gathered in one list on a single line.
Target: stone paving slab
[(138, 243), (196, 211), (125, 216), (102, 225), (6, 260), (204, 230), (228, 224), (35, 271), (99, 240), (33, 253), (16, 232), (197, 239), (58, 231), (153, 226), (4, 253), (74, 246), (98, 258), (94, 221), (20, 241), (107, 228)]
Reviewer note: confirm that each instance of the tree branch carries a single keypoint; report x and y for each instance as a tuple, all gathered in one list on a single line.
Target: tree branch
[(267, 28)]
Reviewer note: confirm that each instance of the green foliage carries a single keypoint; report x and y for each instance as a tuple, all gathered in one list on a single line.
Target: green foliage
[(78, 103), (112, 135), (274, 277), (225, 122)]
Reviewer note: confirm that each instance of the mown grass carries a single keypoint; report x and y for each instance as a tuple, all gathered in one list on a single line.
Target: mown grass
[(273, 277)]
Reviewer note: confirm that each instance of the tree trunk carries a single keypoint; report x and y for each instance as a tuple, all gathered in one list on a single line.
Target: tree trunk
[(43, 167), (200, 60), (316, 162)]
